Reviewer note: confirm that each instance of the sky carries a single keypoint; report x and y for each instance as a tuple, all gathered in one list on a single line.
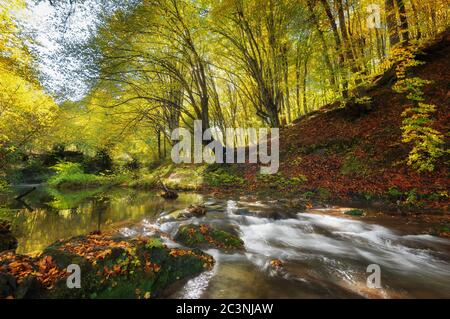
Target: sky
[(51, 30)]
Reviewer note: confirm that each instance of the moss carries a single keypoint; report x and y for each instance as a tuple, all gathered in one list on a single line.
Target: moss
[(222, 176), (353, 165), (355, 212), (332, 146), (279, 181), (323, 194), (181, 177), (206, 236)]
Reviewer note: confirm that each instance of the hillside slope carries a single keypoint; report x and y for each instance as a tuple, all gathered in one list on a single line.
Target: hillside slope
[(348, 156)]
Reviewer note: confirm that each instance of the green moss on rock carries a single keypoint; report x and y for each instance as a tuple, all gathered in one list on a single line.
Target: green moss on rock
[(206, 236), (355, 212)]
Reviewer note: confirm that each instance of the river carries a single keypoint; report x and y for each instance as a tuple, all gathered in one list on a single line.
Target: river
[(325, 254)]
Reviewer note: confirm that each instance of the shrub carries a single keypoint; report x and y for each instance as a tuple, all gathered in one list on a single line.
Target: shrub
[(394, 193), (72, 175), (222, 176), (417, 126)]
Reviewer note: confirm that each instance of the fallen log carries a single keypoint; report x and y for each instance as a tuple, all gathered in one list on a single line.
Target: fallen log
[(167, 194)]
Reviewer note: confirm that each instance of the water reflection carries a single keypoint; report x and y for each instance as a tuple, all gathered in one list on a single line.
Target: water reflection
[(51, 215)]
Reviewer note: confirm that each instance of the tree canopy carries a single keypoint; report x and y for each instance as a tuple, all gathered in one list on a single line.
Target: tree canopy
[(150, 66)]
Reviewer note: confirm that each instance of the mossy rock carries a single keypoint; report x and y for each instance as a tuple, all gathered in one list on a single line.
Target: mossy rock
[(179, 214), (110, 267), (196, 210), (355, 212), (183, 214), (204, 236)]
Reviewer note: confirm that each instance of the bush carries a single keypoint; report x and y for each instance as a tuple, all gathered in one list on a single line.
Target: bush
[(394, 193), (72, 175), (223, 177), (417, 126)]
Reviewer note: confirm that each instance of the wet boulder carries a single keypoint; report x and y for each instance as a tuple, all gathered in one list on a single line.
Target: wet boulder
[(183, 214), (204, 236), (196, 210), (179, 214), (110, 267)]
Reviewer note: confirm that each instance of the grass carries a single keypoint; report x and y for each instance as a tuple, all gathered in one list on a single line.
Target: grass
[(181, 177), (71, 175), (222, 176), (353, 165), (280, 181), (188, 176)]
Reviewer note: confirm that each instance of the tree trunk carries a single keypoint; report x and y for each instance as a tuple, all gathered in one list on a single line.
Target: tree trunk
[(391, 21), (341, 59), (305, 74), (158, 134), (404, 28), (324, 46), (286, 83)]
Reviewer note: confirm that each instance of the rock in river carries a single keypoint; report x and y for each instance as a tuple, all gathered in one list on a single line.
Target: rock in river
[(183, 214), (355, 212), (110, 267), (204, 236)]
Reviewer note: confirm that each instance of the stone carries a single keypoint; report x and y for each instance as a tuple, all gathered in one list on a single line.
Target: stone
[(204, 236)]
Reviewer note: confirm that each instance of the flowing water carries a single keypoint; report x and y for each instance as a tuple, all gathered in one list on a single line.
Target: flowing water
[(325, 254)]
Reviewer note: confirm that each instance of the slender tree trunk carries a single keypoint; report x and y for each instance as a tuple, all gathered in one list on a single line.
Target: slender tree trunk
[(325, 51), (297, 79), (391, 21), (286, 83), (416, 20), (341, 59), (158, 134), (404, 28), (433, 19), (380, 48), (305, 74)]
